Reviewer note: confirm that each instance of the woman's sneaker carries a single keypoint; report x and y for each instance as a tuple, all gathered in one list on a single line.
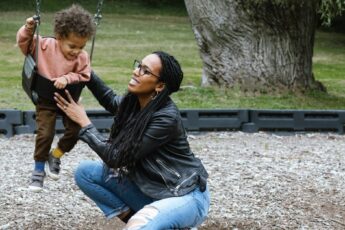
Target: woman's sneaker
[(37, 179), (53, 167)]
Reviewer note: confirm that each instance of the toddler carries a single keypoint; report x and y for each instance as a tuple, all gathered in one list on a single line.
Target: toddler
[(62, 63)]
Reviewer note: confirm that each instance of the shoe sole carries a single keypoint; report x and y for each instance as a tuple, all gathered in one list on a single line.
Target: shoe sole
[(52, 175), (35, 189)]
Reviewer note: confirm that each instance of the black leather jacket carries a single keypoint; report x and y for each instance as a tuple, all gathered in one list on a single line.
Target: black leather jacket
[(165, 166)]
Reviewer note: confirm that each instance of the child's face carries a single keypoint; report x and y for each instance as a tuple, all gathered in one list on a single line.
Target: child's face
[(72, 45)]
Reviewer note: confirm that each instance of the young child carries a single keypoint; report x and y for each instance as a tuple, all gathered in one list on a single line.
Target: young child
[(64, 63)]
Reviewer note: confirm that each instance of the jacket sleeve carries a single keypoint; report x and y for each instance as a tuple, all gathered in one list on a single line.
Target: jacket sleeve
[(159, 131), (105, 95), (98, 143)]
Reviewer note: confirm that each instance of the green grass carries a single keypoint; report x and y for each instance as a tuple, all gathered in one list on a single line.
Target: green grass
[(123, 37)]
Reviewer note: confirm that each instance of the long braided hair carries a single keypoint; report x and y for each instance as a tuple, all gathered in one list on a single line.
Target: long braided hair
[(130, 122)]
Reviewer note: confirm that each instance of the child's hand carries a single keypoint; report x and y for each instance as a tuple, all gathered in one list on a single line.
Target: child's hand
[(30, 23), (60, 82)]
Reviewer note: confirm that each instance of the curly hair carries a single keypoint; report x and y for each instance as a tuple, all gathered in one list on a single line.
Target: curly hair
[(74, 19)]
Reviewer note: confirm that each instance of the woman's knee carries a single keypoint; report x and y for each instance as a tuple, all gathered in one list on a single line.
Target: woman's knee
[(142, 218), (84, 171)]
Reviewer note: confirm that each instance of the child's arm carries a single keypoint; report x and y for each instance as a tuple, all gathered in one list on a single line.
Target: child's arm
[(60, 82), (25, 36), (82, 71)]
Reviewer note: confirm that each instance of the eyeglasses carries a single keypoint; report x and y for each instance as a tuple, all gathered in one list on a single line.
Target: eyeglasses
[(142, 69)]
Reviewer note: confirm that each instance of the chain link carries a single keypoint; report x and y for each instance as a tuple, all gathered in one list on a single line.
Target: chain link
[(98, 15), (97, 19)]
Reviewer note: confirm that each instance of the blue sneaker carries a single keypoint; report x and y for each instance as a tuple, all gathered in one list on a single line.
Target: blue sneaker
[(37, 179)]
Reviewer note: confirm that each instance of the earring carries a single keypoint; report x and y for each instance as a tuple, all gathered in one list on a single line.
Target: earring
[(154, 96)]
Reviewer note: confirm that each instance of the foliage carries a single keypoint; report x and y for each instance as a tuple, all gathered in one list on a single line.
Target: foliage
[(281, 3), (328, 9)]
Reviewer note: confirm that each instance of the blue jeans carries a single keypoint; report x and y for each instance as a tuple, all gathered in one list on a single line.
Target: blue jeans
[(114, 197)]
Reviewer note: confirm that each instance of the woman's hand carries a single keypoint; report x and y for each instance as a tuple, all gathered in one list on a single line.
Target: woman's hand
[(73, 110)]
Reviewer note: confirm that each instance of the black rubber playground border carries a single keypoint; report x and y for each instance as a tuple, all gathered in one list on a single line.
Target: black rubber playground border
[(14, 122)]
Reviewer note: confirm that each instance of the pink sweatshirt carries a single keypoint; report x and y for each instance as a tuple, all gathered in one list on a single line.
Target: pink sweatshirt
[(51, 62)]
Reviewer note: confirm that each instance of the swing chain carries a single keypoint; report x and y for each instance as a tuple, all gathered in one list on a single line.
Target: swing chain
[(98, 15), (97, 19), (37, 17)]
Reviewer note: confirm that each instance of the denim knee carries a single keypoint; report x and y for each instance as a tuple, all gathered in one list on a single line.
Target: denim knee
[(83, 170)]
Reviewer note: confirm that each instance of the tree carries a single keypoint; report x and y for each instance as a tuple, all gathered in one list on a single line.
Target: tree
[(258, 45)]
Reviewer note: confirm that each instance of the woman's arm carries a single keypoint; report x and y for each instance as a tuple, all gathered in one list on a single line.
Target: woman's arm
[(98, 143), (158, 132), (161, 129), (88, 132), (105, 95)]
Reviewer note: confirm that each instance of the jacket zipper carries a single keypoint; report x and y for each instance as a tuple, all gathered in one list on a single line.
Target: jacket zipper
[(184, 181), (159, 174), (167, 168)]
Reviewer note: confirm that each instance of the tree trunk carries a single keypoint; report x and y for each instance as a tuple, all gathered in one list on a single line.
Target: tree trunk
[(258, 47)]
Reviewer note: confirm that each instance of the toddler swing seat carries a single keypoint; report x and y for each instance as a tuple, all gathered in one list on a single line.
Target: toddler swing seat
[(37, 86), (29, 77)]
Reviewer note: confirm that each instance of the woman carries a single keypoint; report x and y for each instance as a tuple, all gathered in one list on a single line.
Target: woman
[(150, 179)]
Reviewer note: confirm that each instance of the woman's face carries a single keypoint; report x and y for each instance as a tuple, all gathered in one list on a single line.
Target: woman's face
[(145, 80)]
